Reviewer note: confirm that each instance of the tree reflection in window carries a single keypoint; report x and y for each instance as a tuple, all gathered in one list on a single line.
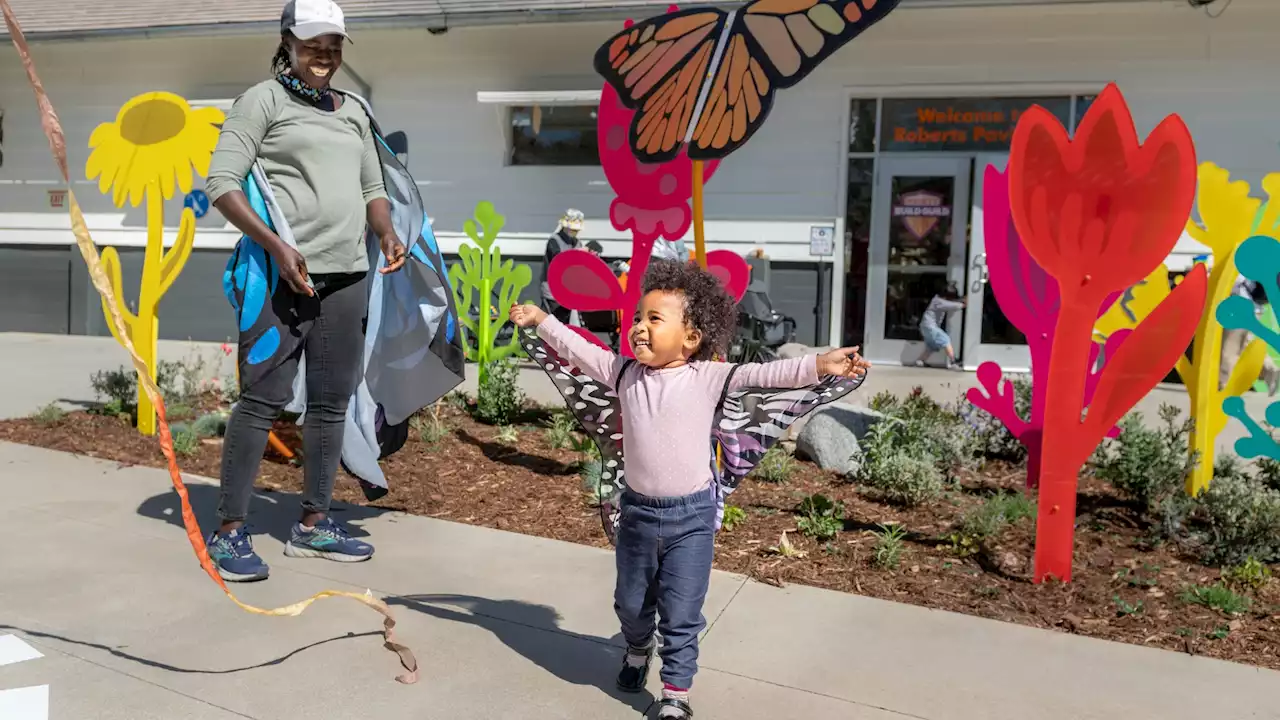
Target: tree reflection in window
[(553, 135)]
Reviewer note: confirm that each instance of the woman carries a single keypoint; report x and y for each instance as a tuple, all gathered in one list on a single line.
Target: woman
[(316, 149)]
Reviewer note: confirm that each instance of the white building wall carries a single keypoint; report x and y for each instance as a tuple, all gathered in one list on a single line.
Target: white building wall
[(1218, 74)]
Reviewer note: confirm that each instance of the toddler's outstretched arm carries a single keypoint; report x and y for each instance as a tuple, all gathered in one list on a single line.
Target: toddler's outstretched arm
[(598, 364), (800, 372)]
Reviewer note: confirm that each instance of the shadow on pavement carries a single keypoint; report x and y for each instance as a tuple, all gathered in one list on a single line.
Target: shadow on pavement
[(175, 669), (270, 512), (520, 625)]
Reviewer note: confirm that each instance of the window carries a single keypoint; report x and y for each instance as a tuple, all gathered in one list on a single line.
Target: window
[(862, 126), (553, 135)]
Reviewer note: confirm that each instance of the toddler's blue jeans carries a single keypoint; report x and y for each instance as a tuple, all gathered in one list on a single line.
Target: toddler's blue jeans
[(664, 552)]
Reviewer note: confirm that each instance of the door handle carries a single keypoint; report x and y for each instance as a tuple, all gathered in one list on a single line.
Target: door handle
[(980, 266)]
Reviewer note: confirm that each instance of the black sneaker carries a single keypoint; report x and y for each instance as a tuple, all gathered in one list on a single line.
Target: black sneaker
[(670, 708), (632, 677)]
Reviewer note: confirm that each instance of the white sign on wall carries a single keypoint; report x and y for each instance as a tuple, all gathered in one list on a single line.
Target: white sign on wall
[(822, 240)]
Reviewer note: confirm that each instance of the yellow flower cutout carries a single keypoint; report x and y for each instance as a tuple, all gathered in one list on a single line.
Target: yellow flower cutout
[(156, 137), (1226, 210)]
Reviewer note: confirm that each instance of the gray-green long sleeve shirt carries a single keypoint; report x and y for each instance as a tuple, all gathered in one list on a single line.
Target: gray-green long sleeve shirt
[(322, 166)]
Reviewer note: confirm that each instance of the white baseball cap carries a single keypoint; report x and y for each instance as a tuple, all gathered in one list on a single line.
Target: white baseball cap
[(308, 19)]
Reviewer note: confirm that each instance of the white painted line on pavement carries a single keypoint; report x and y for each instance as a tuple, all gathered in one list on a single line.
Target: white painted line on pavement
[(14, 650), (29, 703)]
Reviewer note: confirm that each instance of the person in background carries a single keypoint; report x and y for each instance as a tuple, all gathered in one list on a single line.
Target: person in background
[(935, 338), (1234, 341), (564, 238)]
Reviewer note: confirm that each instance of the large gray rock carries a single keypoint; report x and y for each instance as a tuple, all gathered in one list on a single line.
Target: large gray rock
[(830, 437), (795, 350)]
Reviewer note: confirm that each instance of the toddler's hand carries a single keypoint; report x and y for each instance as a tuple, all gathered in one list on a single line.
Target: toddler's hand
[(844, 361), (527, 315)]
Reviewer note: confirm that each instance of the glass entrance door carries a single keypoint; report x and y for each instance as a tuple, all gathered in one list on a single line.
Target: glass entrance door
[(917, 251), (988, 336)]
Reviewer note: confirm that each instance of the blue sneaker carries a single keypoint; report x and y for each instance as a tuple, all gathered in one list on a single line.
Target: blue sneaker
[(234, 557), (327, 540)]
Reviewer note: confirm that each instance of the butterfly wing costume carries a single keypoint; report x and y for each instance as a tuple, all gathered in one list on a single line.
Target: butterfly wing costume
[(413, 351), (703, 79), (747, 423)]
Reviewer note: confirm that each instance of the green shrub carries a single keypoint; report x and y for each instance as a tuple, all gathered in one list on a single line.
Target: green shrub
[(733, 517), (211, 425), (1250, 574), (776, 466), (1216, 597), (1147, 465), (820, 517), (119, 389), (1235, 519), (989, 520), (890, 540), (507, 434), (430, 428), (185, 439), (499, 399), (909, 457), (897, 474), (1268, 472), (925, 427), (560, 434), (49, 415)]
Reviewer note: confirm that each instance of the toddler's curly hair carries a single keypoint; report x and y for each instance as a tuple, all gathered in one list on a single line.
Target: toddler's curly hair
[(707, 306)]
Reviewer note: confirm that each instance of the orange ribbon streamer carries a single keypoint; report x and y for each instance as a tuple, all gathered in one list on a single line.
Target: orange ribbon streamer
[(57, 144)]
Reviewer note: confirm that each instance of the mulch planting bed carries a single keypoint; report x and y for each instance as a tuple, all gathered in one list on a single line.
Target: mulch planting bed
[(1124, 589)]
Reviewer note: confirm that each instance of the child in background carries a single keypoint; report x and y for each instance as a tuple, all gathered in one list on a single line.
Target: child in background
[(935, 338), (668, 398)]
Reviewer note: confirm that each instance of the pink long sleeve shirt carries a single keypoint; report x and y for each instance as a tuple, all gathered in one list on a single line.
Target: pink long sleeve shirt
[(667, 413)]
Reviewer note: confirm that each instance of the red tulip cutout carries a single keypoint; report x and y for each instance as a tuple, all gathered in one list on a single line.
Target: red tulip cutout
[(1098, 213)]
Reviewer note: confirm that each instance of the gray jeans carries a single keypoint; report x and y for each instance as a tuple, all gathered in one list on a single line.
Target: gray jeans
[(328, 330), (664, 554)]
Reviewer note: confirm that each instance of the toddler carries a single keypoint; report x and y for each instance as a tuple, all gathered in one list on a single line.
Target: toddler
[(668, 399)]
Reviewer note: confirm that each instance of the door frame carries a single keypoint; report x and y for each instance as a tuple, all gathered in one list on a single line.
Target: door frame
[(1011, 358), (901, 352)]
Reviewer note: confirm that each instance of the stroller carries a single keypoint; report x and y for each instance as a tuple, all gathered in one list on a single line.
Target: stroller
[(761, 329)]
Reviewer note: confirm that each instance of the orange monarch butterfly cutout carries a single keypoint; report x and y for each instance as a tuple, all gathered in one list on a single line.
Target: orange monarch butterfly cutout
[(704, 78), (52, 128)]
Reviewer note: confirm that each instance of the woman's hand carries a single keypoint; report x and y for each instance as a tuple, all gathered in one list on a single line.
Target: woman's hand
[(235, 207), (843, 361), (527, 315), (393, 250), (293, 268)]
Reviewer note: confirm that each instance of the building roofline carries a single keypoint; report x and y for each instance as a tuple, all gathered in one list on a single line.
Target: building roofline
[(447, 19)]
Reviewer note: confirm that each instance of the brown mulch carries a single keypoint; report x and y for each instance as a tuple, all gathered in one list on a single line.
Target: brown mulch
[(1124, 589)]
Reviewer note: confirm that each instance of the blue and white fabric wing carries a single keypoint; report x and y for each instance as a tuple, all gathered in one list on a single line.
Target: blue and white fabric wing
[(597, 408)]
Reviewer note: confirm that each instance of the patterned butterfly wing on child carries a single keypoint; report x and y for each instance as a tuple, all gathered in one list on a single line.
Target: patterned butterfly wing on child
[(750, 420), (596, 407), (660, 68)]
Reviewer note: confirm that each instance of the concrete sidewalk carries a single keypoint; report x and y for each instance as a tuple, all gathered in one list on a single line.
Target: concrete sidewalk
[(98, 576)]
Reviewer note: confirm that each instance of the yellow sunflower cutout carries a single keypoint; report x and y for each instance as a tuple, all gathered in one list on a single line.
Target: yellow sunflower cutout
[(155, 143)]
